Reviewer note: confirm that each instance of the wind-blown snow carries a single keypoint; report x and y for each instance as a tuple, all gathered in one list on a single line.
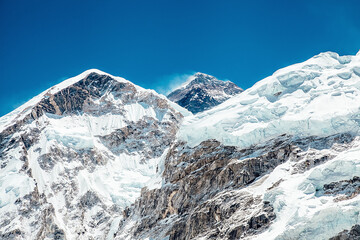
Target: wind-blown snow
[(186, 83), (316, 97)]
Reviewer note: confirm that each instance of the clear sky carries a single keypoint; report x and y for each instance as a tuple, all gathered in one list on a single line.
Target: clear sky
[(155, 42)]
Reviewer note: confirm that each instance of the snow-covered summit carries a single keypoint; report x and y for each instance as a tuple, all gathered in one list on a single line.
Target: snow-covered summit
[(75, 155), (24, 110), (68, 82), (202, 91), (315, 97)]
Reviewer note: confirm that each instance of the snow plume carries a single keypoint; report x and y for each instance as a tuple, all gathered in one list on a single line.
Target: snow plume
[(168, 83)]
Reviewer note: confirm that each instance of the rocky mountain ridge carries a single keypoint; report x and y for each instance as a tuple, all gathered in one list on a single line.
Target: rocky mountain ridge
[(97, 157), (78, 154)]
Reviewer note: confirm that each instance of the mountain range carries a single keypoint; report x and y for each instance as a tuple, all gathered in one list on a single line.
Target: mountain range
[(98, 157)]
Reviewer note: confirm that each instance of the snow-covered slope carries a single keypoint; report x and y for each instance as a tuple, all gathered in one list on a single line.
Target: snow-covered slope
[(74, 156), (317, 97), (201, 92), (279, 161)]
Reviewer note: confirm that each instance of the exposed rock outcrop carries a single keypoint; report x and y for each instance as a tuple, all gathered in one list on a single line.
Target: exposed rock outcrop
[(345, 189), (203, 92), (204, 192), (352, 234), (146, 136)]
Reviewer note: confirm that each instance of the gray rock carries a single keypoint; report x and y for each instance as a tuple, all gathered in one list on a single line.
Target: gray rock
[(353, 234), (203, 93)]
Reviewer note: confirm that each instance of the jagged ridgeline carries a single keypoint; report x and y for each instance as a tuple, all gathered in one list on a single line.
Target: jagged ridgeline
[(202, 92), (97, 157)]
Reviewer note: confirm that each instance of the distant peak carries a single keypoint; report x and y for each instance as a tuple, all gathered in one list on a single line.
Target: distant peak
[(204, 76), (202, 91), (201, 78), (200, 74), (196, 78)]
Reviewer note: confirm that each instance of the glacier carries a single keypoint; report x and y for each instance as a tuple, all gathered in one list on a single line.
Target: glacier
[(113, 163), (309, 98)]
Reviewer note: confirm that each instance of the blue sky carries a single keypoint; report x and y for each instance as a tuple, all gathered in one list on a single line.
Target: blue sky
[(154, 43)]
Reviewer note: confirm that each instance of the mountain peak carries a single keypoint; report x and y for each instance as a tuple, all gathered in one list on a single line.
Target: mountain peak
[(200, 74), (56, 147), (202, 91), (70, 81), (80, 94), (204, 76)]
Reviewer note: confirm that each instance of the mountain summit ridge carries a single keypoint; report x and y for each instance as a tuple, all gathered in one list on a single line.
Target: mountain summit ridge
[(27, 107), (202, 92)]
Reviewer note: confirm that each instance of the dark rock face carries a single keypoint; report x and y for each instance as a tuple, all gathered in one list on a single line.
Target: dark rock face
[(347, 189), (89, 200), (204, 92), (203, 195), (353, 234), (204, 192), (197, 100), (77, 98), (15, 234)]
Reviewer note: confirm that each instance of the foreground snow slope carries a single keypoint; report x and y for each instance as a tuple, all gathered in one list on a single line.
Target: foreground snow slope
[(303, 208), (317, 97)]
